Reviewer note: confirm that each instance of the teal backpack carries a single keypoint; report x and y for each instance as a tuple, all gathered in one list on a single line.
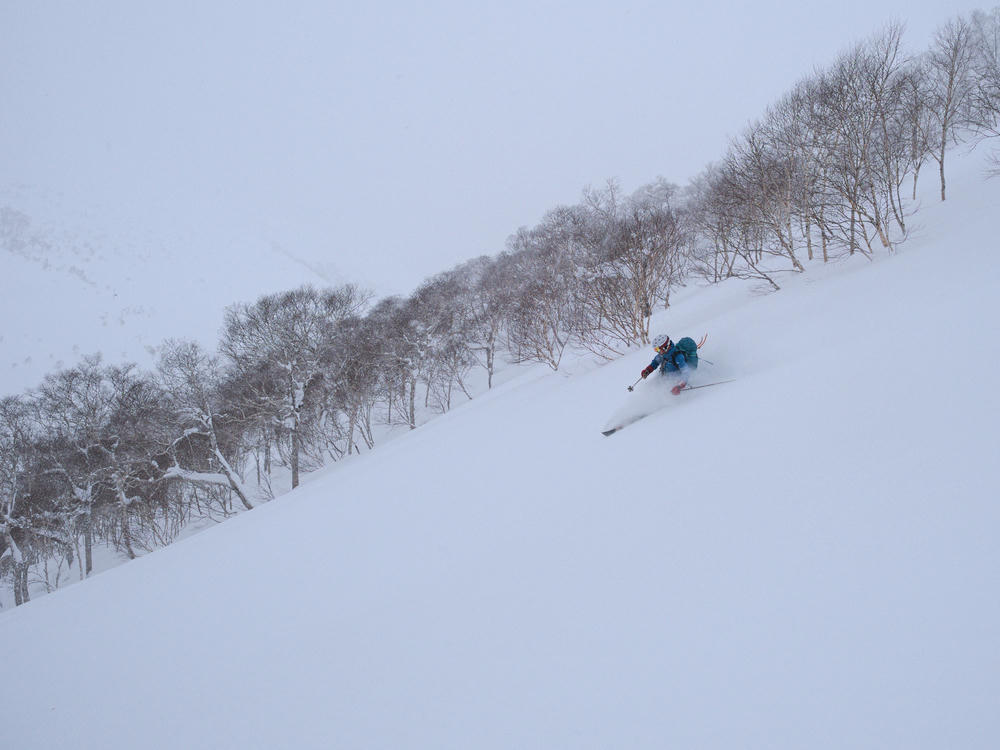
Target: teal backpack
[(689, 349)]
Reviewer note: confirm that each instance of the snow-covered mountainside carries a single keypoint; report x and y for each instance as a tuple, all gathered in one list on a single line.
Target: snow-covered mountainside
[(121, 279), (806, 557)]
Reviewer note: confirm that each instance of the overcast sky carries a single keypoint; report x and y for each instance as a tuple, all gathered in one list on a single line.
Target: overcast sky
[(392, 140)]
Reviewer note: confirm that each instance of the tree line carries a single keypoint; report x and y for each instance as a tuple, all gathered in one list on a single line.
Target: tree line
[(114, 455), (833, 166)]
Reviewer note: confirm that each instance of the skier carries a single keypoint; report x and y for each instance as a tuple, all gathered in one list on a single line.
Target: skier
[(679, 359)]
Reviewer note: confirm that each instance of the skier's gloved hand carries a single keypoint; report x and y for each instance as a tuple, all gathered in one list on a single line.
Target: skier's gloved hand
[(646, 372), (676, 390)]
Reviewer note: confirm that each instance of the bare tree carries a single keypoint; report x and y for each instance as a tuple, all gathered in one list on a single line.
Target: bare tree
[(191, 378), (405, 344), (764, 177), (862, 101), (101, 429), (283, 345), (440, 306), (361, 384), (543, 270), (709, 227), (488, 296), (16, 523), (951, 63), (630, 262), (72, 409), (917, 116), (985, 104)]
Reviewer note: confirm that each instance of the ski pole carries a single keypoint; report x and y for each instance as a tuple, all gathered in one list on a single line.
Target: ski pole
[(707, 385), (632, 387)]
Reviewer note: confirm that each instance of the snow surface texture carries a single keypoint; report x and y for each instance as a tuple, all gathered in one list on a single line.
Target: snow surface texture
[(804, 558)]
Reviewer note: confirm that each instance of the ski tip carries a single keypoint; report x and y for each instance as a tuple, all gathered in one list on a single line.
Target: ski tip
[(612, 431)]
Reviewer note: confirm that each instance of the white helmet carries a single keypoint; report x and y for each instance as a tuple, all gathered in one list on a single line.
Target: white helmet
[(661, 341)]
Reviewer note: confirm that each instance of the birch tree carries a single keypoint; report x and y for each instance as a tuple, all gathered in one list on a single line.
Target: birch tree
[(15, 510), (191, 377), (951, 63), (632, 260), (282, 344), (542, 265), (985, 104), (489, 298)]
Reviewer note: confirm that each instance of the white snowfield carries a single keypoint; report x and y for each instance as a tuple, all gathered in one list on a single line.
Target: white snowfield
[(807, 557)]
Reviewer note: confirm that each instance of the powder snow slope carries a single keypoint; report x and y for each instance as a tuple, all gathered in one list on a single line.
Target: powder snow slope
[(805, 557)]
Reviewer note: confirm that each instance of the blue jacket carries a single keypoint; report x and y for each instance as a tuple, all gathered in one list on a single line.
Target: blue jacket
[(672, 360)]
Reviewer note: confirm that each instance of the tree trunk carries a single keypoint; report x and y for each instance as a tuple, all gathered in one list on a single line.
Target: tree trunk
[(88, 546), (941, 161), (21, 595), (79, 556), (412, 416), (295, 456), (853, 230), (235, 482), (127, 535)]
